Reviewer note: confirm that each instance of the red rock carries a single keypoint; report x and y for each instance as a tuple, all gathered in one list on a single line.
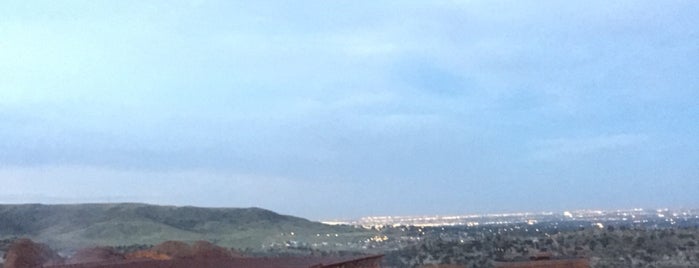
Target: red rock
[(174, 249), (25, 253), (180, 250), (205, 249), (96, 254)]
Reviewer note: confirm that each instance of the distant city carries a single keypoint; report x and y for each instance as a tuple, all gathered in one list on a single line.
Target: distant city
[(634, 237), (598, 218)]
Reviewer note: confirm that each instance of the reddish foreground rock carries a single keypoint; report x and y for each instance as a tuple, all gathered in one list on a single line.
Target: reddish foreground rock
[(25, 253), (147, 255), (173, 249), (96, 254), (286, 262), (207, 250), (172, 254), (170, 250)]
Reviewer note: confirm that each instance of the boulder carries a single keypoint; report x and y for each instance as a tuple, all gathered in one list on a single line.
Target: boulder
[(174, 249), (180, 250), (95, 254), (206, 250), (25, 253)]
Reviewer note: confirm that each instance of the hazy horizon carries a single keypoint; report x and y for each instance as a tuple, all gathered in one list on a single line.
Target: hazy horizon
[(343, 109), (359, 217)]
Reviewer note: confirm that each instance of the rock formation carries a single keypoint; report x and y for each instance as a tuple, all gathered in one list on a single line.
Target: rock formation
[(24, 253), (96, 254), (180, 250)]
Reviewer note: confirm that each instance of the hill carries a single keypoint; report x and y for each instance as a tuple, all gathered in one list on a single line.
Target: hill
[(84, 225)]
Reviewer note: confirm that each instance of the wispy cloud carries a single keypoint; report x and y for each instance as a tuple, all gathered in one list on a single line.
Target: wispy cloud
[(97, 184), (567, 147), (273, 95)]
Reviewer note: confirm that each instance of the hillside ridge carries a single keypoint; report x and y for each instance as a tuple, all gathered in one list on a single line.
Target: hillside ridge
[(115, 224)]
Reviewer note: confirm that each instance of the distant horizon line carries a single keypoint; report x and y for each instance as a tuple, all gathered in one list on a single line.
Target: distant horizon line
[(526, 212), (491, 214)]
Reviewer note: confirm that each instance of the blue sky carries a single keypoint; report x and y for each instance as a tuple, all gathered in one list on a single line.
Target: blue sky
[(337, 109)]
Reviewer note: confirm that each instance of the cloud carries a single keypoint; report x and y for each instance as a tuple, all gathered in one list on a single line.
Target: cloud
[(567, 147), (98, 184), (273, 95), (85, 184)]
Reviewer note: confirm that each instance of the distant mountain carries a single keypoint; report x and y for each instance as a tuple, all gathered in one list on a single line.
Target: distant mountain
[(82, 225)]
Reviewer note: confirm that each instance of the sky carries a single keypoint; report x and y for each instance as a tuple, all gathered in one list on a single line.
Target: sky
[(341, 109)]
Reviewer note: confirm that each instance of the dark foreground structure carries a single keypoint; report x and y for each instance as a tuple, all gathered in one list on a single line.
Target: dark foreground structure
[(24, 253), (297, 262)]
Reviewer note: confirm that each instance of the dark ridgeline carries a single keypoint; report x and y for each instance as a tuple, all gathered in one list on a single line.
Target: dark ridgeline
[(25, 253), (281, 262)]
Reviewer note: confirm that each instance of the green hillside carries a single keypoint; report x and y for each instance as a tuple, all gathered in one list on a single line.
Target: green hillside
[(75, 226)]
